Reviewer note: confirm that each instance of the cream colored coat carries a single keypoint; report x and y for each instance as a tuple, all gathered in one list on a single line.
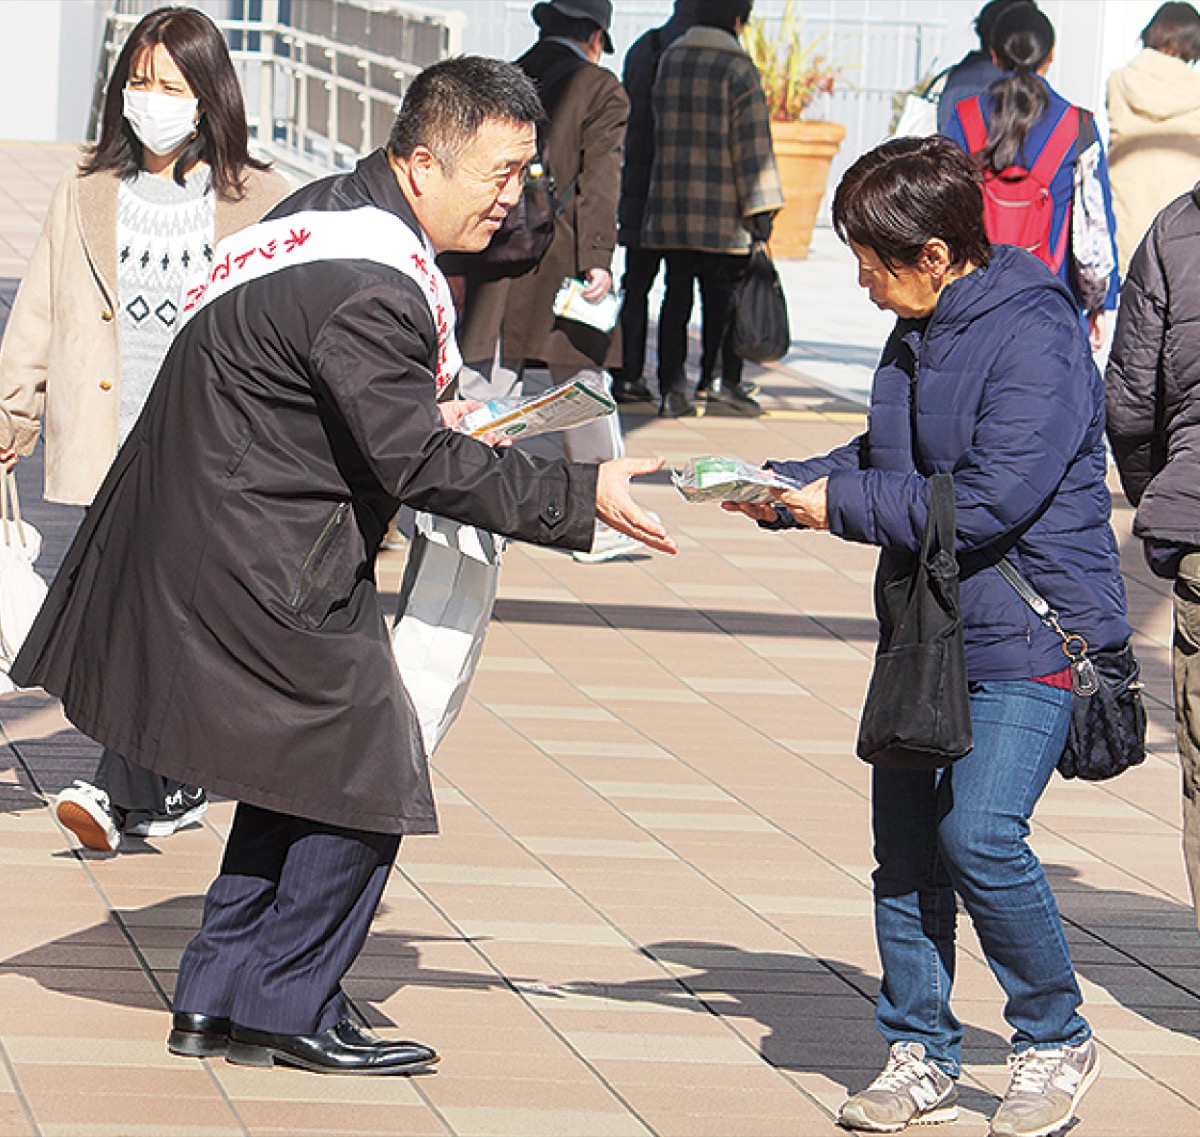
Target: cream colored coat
[(59, 360), (1154, 150)]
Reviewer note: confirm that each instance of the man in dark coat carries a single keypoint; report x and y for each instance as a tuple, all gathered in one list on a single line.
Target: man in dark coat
[(641, 264), (587, 109), (1153, 402), (216, 619)]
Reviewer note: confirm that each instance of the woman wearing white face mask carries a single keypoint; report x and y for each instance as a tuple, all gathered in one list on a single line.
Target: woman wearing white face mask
[(169, 177)]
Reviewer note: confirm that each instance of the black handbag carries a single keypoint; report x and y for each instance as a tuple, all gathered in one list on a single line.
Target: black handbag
[(917, 713), (759, 331), (1107, 734)]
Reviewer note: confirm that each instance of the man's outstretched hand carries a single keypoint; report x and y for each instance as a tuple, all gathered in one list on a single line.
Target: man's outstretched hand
[(615, 505)]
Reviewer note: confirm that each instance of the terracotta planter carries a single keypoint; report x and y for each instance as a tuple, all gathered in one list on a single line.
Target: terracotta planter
[(803, 152)]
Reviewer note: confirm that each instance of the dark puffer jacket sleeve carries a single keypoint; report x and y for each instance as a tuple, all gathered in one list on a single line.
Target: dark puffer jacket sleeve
[(1132, 377), (1029, 428)]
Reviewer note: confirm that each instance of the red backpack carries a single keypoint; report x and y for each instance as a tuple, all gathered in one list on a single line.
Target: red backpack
[(1017, 206)]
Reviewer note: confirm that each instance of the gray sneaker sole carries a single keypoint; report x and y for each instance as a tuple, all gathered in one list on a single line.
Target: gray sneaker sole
[(933, 1117)]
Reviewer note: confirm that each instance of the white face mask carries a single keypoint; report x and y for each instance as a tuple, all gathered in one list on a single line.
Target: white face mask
[(161, 122)]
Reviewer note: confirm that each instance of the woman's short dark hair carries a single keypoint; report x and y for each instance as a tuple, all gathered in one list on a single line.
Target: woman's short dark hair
[(446, 104), (1174, 30), (1022, 41), (898, 197), (722, 13), (222, 140)]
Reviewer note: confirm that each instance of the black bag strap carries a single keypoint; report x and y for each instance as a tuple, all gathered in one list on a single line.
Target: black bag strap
[(1074, 646), (939, 530)]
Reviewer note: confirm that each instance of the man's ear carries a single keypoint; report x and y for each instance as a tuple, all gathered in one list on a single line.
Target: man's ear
[(417, 170)]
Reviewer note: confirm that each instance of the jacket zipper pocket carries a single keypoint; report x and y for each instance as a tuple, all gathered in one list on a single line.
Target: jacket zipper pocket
[(317, 553)]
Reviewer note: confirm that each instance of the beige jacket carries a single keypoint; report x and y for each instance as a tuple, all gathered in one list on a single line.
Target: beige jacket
[(59, 358), (1154, 153)]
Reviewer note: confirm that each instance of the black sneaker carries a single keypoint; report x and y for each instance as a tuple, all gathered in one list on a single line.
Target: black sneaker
[(183, 807)]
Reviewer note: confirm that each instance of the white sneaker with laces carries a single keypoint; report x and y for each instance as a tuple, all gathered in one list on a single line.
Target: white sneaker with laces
[(909, 1091), (608, 544), (1044, 1088), (86, 811)]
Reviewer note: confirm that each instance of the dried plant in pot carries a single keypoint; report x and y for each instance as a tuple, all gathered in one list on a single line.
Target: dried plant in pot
[(797, 78)]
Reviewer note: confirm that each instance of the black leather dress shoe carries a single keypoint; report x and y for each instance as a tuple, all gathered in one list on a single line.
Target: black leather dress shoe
[(675, 405), (343, 1049), (635, 392), (198, 1036)]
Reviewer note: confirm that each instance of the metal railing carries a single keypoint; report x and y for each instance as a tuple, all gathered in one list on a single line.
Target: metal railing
[(325, 76)]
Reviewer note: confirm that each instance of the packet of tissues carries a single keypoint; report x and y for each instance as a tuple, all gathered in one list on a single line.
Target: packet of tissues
[(570, 304), (561, 407), (713, 478)]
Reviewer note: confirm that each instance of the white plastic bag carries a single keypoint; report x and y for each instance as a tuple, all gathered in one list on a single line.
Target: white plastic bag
[(446, 600), (21, 589)]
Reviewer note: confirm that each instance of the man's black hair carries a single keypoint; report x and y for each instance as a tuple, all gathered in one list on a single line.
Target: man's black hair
[(446, 104)]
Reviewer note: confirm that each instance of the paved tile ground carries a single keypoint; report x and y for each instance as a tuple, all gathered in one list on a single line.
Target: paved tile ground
[(648, 911)]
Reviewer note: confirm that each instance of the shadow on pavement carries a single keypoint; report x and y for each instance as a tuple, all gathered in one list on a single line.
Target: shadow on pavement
[(1142, 949)]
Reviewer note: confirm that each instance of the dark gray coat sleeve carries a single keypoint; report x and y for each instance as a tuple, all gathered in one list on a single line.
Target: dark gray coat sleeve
[(1131, 380), (372, 360)]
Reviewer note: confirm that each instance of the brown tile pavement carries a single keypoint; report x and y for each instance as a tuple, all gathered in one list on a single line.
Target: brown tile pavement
[(648, 911)]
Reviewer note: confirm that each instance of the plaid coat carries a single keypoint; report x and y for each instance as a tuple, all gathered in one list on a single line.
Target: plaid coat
[(713, 160)]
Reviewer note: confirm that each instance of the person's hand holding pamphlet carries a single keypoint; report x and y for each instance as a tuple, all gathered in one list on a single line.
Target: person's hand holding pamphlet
[(713, 478), (559, 408)]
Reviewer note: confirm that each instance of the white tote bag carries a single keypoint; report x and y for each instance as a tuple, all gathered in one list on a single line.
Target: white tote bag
[(21, 589), (446, 600)]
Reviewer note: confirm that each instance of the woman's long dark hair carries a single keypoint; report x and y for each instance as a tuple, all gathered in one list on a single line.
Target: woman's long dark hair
[(221, 139), (1022, 41)]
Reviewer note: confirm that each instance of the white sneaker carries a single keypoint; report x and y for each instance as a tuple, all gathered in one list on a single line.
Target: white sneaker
[(608, 544), (909, 1091), (1044, 1088), (87, 812)]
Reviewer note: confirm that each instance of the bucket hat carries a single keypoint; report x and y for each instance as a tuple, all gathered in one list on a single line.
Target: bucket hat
[(600, 12)]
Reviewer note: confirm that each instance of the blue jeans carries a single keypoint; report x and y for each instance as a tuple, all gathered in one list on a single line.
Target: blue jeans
[(963, 830)]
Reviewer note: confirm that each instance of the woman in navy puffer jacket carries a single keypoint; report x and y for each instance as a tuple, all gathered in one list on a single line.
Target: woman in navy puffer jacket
[(987, 376)]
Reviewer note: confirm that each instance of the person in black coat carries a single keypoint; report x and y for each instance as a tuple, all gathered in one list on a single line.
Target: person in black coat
[(1153, 406), (641, 264), (216, 618)]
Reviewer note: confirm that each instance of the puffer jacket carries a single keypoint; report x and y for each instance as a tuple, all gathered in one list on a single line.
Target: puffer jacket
[(1154, 141), (1153, 378), (998, 388)]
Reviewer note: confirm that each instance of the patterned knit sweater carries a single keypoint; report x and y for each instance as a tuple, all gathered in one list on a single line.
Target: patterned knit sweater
[(164, 239)]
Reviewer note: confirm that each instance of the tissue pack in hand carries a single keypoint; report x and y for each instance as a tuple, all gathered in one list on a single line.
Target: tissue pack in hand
[(713, 478), (570, 304)]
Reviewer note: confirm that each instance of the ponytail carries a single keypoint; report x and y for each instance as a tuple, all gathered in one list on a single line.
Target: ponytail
[(1022, 41)]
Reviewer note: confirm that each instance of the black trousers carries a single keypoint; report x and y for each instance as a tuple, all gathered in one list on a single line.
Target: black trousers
[(135, 793), (641, 267), (717, 273), (283, 922)]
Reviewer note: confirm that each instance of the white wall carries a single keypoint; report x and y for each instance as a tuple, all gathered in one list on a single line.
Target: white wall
[(48, 55)]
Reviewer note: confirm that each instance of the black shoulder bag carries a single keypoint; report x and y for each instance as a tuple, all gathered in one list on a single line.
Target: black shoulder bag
[(1108, 718), (917, 714)]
